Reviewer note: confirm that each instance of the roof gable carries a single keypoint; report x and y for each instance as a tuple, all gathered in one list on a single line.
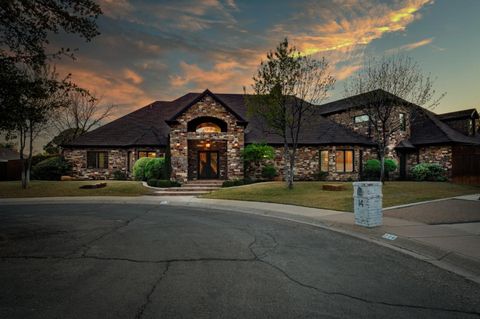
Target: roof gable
[(198, 99)]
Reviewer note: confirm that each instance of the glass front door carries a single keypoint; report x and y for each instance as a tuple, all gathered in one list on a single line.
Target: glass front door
[(207, 164)]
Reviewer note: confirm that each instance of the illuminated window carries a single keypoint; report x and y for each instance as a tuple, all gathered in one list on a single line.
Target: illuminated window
[(97, 159), (344, 161), (324, 161), (361, 118), (208, 127), (146, 154)]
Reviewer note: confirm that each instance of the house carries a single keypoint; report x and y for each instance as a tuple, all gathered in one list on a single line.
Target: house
[(204, 134), (10, 164)]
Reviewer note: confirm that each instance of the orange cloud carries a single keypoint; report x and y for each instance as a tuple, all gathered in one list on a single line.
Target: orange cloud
[(412, 46), (341, 34), (225, 76)]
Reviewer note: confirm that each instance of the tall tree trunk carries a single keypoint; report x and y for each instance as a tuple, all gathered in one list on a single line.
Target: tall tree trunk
[(286, 169), (291, 168), (382, 164), (30, 154), (22, 158)]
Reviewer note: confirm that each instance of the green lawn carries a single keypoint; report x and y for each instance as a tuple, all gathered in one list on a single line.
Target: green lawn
[(311, 194), (54, 188)]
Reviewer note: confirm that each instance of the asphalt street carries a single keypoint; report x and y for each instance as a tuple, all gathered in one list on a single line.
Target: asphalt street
[(160, 261)]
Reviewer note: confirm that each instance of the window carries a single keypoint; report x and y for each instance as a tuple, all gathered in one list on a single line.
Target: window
[(344, 161), (208, 127), (403, 122), (361, 118), (146, 154), (323, 161), (97, 159)]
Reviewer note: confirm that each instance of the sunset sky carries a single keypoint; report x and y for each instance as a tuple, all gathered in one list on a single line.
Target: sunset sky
[(160, 50)]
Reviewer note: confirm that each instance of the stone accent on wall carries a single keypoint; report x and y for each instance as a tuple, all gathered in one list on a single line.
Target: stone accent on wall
[(117, 161), (233, 138), (347, 119), (307, 165), (441, 155)]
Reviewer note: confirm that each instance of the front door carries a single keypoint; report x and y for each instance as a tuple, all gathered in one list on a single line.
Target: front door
[(207, 164)]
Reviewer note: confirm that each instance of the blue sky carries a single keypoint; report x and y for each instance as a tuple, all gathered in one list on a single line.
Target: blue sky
[(159, 50)]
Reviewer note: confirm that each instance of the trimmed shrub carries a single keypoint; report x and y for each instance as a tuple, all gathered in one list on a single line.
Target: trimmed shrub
[(139, 168), (257, 153), (119, 176), (429, 172), (155, 169), (269, 171), (51, 169), (321, 176), (162, 183), (372, 168)]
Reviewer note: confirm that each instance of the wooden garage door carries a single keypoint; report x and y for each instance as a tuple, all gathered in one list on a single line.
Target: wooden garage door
[(466, 164)]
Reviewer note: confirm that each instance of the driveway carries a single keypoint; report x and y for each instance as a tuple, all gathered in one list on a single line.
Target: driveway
[(159, 261)]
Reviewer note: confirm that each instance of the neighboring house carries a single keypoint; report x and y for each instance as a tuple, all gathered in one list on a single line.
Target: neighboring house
[(10, 165), (204, 134)]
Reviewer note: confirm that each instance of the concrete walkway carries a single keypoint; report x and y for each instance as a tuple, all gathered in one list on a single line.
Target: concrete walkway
[(453, 247)]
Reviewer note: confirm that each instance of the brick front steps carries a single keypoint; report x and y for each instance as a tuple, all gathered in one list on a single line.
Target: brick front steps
[(192, 188)]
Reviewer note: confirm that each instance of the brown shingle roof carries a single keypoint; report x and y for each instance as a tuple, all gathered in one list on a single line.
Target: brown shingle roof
[(458, 115), (148, 126)]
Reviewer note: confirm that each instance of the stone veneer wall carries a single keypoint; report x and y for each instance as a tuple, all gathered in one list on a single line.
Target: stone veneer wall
[(347, 119), (117, 161), (441, 155), (307, 164), (179, 137)]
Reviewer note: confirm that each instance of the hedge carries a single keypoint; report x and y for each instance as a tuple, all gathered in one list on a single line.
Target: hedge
[(162, 183), (51, 169), (429, 172)]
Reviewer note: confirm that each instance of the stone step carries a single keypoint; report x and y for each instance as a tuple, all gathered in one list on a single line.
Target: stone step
[(202, 185), (186, 193), (193, 188), (206, 181)]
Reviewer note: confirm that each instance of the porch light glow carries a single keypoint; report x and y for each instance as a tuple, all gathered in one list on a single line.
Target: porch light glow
[(207, 145)]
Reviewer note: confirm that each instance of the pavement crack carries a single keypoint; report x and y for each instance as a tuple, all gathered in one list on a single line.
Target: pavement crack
[(143, 261), (87, 246), (148, 298), (374, 302)]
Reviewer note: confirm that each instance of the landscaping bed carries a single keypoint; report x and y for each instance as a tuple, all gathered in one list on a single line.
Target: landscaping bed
[(311, 194), (13, 189)]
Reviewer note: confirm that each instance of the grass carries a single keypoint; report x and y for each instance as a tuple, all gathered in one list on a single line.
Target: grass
[(310, 194), (13, 189)]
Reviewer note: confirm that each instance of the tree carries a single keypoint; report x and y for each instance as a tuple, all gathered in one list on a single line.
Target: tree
[(391, 84), (81, 113), (42, 94), (26, 87), (286, 88)]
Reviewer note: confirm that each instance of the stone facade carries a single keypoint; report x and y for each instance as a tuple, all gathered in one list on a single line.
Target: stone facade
[(117, 161), (347, 119), (233, 138), (307, 165)]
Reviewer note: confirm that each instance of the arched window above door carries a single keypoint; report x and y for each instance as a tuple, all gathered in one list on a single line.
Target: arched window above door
[(208, 127), (207, 124)]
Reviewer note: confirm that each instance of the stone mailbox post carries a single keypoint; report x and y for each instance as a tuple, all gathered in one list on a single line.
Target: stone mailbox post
[(367, 197)]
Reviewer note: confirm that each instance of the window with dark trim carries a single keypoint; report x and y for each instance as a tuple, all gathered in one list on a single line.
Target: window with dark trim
[(403, 122), (344, 161), (146, 154), (361, 118), (97, 159), (323, 161)]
